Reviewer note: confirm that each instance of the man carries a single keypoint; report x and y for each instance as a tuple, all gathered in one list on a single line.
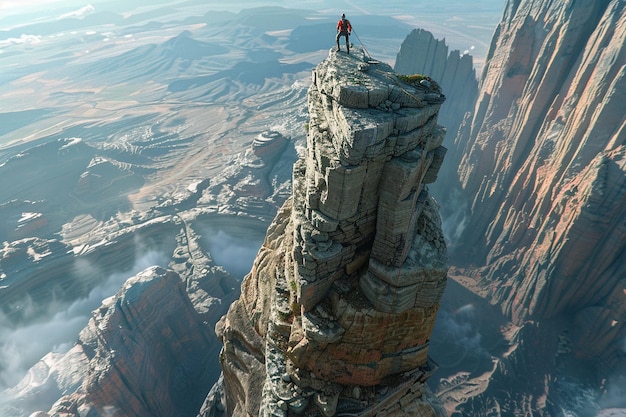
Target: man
[(344, 28)]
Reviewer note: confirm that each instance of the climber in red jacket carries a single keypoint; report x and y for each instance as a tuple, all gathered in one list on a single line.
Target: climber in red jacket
[(344, 28)]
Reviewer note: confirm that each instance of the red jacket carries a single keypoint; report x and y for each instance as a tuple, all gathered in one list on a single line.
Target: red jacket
[(340, 27)]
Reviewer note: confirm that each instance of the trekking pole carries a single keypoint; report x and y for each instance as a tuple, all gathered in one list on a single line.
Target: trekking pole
[(364, 48)]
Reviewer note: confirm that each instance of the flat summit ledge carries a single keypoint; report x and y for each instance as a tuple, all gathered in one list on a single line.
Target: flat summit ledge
[(357, 81)]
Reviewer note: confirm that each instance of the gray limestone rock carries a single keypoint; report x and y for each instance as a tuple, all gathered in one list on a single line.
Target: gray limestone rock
[(347, 295)]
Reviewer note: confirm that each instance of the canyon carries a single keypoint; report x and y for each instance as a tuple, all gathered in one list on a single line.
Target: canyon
[(338, 175), (541, 169)]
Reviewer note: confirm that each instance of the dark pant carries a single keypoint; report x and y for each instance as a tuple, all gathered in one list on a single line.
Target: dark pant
[(346, 34)]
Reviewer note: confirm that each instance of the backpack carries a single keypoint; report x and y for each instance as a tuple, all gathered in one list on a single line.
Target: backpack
[(345, 25)]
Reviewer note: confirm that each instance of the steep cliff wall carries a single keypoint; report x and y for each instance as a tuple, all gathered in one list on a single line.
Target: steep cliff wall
[(421, 53), (337, 311), (544, 166), (145, 352)]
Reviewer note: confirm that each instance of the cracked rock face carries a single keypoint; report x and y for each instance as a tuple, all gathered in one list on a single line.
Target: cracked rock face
[(543, 171), (545, 168), (148, 338), (336, 314)]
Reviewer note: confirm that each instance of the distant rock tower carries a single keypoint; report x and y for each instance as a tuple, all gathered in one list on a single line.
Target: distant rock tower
[(421, 53), (336, 315)]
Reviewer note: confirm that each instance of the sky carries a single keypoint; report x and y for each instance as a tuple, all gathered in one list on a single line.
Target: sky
[(16, 6)]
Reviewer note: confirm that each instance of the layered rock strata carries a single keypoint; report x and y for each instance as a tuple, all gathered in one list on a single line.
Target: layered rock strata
[(257, 181), (174, 233), (544, 163), (146, 352), (27, 263), (543, 170), (336, 314)]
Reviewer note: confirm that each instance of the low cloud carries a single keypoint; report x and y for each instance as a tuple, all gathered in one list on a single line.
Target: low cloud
[(80, 13), (24, 39), (235, 254), (460, 324), (456, 343), (454, 217), (573, 398), (614, 395)]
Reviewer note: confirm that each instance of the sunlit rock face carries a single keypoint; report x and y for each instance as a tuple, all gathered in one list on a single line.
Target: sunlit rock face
[(337, 311), (145, 352), (422, 53), (543, 168), (206, 254), (545, 164)]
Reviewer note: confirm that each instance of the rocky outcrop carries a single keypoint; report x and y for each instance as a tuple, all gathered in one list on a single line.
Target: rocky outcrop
[(173, 234), (543, 167), (421, 53), (336, 314), (269, 145), (146, 350), (256, 181), (546, 156), (25, 265)]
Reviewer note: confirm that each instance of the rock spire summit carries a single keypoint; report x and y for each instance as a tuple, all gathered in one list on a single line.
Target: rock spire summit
[(336, 315)]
